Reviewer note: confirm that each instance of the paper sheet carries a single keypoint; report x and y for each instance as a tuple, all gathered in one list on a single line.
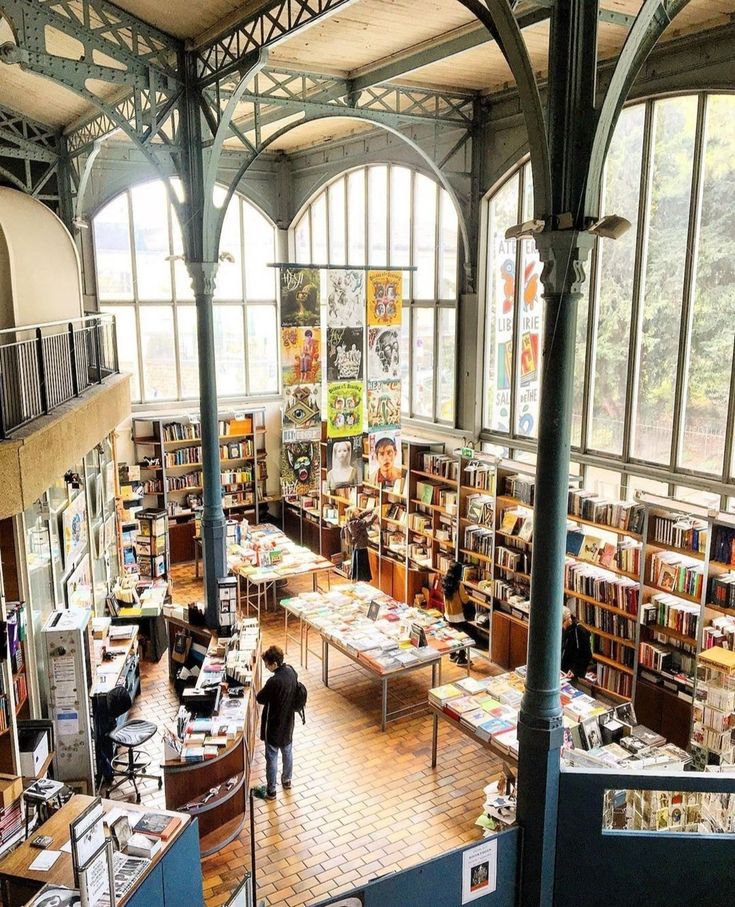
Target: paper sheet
[(45, 860)]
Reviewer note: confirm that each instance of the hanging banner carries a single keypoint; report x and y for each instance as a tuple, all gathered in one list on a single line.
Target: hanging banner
[(344, 354), (299, 297), (384, 457), (344, 409), (384, 297), (344, 462), (346, 298), (384, 404), (301, 415), (384, 353), (301, 361), (299, 467)]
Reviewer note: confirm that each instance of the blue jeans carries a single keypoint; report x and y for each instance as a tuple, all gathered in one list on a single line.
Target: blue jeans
[(271, 764)]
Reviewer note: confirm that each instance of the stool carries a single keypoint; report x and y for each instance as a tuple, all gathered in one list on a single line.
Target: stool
[(132, 767)]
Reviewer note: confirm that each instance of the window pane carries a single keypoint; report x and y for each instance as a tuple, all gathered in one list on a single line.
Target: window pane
[(260, 251), (319, 254), (229, 273), (262, 349), (423, 362), (698, 496), (446, 365), (150, 229), (713, 315), (424, 237), (158, 352), (356, 217), (127, 344), (186, 317), (112, 250), (529, 348), (302, 240), (668, 216), (605, 482), (337, 246), (621, 195), (447, 247), (405, 361), (500, 290), (642, 483), (182, 281), (400, 216), (229, 345), (580, 357), (377, 215)]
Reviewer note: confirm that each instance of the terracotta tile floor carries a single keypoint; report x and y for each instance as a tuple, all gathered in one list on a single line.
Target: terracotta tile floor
[(363, 803)]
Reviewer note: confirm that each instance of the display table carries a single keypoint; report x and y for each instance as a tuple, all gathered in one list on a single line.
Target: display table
[(147, 614), (173, 878), (378, 634), (215, 789), (267, 556)]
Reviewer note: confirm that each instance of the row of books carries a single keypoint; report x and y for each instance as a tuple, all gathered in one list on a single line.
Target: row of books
[(419, 522), (182, 431), (183, 455), (616, 681), (723, 545), (479, 539), (395, 513), (510, 559), (722, 590), (517, 521), (4, 712), (687, 534), (234, 476), (521, 487), (673, 613), (720, 632), (441, 465), (480, 509), (616, 514), (669, 571), (659, 656), (479, 475), (616, 651), (618, 591), (608, 621)]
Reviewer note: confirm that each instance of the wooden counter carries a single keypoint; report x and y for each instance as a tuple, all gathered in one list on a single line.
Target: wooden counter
[(173, 877)]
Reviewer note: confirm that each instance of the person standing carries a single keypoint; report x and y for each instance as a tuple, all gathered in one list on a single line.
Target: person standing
[(576, 651), (278, 698), (457, 608)]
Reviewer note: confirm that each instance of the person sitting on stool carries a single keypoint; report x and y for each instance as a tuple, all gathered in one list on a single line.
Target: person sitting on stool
[(278, 698)]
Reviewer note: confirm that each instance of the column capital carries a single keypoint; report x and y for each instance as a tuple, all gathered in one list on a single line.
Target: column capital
[(563, 253), (203, 276)]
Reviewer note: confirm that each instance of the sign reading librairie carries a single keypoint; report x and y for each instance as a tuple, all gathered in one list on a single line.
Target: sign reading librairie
[(479, 871)]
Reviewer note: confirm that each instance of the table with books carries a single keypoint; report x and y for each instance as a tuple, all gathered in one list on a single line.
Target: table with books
[(384, 637), (164, 871), (595, 734), (266, 556)]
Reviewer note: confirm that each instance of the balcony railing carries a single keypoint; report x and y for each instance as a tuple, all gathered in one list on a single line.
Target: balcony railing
[(46, 365)]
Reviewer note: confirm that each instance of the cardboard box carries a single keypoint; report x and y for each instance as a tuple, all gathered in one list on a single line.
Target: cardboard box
[(33, 746), (11, 788)]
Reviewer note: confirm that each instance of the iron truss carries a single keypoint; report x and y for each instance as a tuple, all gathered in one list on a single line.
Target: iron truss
[(30, 154)]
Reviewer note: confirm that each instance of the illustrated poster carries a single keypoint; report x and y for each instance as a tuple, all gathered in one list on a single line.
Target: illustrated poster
[(301, 355), (74, 524), (384, 404), (384, 353), (346, 298), (344, 409), (344, 354), (301, 415), (384, 298), (344, 462), (299, 467), (384, 457), (299, 297)]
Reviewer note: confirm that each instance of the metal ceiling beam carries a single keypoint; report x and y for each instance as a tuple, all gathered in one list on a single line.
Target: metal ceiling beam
[(23, 138)]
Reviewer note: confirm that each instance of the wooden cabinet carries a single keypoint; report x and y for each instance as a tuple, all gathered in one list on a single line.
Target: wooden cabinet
[(181, 541), (664, 712), (509, 640)]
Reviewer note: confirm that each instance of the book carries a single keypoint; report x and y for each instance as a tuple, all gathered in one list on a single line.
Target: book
[(158, 825), (139, 845)]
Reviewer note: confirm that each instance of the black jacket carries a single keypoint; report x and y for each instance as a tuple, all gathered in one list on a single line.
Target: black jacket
[(278, 698), (576, 651)]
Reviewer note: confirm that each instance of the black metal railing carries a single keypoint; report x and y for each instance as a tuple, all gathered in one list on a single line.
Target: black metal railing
[(45, 365)]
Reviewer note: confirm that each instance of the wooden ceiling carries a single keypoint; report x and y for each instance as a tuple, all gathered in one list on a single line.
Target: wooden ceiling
[(351, 42)]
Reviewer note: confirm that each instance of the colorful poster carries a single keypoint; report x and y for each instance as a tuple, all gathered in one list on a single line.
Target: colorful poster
[(299, 467), (301, 355), (384, 353), (299, 297), (384, 457), (384, 297), (384, 404), (530, 331), (344, 353), (301, 416), (74, 526), (346, 298), (344, 409), (344, 462)]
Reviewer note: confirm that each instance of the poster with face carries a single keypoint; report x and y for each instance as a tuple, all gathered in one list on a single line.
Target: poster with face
[(384, 404), (301, 355), (299, 467), (385, 457), (346, 298), (384, 297), (344, 409), (344, 462), (301, 416), (299, 297), (344, 354), (384, 353)]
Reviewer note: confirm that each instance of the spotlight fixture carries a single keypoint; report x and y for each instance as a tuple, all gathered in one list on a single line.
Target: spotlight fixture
[(526, 229), (612, 226), (73, 478), (227, 256), (79, 223)]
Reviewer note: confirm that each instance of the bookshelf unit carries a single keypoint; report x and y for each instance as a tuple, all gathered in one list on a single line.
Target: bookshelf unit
[(168, 452)]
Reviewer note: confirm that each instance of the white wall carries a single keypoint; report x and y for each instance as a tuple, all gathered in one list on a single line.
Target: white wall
[(39, 267)]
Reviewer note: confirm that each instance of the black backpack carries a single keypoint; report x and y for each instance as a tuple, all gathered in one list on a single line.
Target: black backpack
[(299, 700)]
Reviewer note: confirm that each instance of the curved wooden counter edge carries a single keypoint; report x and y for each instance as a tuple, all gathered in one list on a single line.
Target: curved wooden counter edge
[(174, 766)]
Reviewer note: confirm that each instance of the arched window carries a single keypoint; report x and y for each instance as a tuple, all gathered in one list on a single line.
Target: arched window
[(143, 281), (653, 378), (385, 214)]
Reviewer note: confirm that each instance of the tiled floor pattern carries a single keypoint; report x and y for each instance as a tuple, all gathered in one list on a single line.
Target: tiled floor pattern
[(363, 803)]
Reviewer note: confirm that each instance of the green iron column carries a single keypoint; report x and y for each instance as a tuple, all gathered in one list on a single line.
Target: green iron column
[(213, 517)]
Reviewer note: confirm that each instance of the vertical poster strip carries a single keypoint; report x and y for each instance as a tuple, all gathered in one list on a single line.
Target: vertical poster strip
[(384, 312), (301, 366)]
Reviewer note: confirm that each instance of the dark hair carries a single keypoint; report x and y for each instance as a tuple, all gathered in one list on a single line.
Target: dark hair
[(273, 655), (385, 442), (450, 583)]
